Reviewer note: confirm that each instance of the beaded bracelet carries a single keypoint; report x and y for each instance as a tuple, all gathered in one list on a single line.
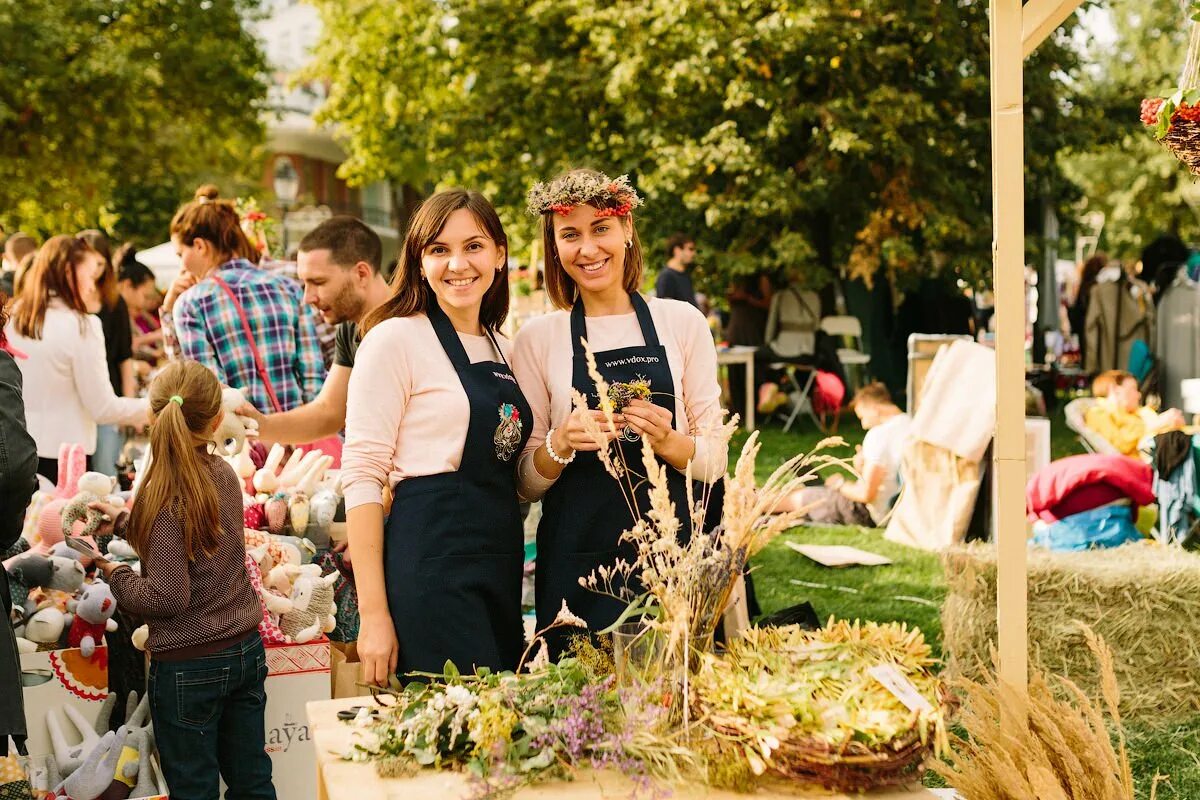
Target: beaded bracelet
[(555, 457)]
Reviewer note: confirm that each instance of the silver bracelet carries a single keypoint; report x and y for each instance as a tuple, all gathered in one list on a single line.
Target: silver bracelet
[(555, 457)]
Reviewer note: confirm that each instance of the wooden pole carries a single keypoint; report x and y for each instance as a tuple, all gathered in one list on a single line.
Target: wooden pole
[(1015, 33), (1008, 225)]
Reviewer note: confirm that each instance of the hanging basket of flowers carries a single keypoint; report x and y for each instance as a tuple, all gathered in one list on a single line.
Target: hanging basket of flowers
[(1176, 119)]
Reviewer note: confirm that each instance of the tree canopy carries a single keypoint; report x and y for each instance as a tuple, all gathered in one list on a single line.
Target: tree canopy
[(110, 110), (1142, 189), (810, 135)]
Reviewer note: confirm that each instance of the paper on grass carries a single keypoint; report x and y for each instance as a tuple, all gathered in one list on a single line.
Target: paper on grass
[(839, 555)]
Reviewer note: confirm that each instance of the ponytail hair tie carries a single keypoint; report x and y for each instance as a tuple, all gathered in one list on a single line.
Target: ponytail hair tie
[(177, 400)]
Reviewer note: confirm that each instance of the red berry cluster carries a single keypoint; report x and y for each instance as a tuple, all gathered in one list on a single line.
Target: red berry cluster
[(562, 208), (1150, 109), (616, 211), (1187, 113)]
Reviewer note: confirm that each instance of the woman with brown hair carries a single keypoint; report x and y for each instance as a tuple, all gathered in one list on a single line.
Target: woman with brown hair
[(118, 349), (250, 326), (67, 387), (593, 271), (435, 414)]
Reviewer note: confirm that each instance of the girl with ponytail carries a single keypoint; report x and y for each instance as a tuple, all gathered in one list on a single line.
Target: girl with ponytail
[(208, 667)]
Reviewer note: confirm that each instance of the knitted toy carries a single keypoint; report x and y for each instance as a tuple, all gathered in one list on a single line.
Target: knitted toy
[(272, 604), (313, 608), (72, 463), (94, 775), (93, 617), (34, 570), (94, 487)]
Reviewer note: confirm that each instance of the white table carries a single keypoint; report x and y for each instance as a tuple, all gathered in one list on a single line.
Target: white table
[(742, 354), (343, 780)]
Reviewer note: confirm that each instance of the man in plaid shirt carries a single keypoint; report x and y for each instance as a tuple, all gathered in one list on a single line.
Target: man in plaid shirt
[(209, 329)]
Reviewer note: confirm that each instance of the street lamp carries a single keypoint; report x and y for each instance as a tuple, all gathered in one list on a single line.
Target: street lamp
[(287, 186)]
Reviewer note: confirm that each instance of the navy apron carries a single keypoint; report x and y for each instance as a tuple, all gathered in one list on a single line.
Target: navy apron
[(454, 543), (585, 512)]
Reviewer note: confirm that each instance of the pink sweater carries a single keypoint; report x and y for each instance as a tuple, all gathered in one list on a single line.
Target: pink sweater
[(406, 412), (542, 358)]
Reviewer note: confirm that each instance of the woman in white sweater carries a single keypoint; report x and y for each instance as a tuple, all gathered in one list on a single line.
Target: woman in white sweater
[(593, 270), (64, 369)]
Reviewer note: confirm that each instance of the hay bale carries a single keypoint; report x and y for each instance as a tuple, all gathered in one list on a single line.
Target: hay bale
[(1143, 599)]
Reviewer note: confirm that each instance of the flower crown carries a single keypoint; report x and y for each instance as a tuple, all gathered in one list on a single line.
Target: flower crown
[(612, 198)]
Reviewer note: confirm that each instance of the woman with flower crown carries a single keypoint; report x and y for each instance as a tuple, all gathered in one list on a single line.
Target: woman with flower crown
[(435, 414), (658, 356)]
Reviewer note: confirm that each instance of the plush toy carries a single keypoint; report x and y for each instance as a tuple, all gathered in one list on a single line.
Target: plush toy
[(69, 757), (33, 571), (72, 463), (94, 487), (93, 617), (313, 608), (230, 436), (14, 782), (93, 777), (276, 510), (282, 549), (282, 577), (44, 629), (139, 637), (272, 604)]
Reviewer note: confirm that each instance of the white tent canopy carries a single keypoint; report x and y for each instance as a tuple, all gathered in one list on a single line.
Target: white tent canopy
[(162, 261)]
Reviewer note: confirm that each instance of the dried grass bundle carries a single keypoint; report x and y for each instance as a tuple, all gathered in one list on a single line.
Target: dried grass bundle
[(1061, 751), (1143, 599)]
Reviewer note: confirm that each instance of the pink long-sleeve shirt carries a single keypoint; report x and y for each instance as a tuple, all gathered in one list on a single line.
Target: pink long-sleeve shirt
[(542, 360), (406, 412)]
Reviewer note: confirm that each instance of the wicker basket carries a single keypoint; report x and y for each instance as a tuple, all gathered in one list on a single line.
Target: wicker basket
[(854, 768), (1183, 139), (1183, 136)]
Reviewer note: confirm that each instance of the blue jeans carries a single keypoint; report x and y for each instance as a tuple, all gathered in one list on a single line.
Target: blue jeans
[(209, 723), (109, 441)]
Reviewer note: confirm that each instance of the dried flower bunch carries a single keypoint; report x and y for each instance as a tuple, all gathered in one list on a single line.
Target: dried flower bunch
[(681, 588), (804, 704), (511, 730), (1057, 751), (610, 197)]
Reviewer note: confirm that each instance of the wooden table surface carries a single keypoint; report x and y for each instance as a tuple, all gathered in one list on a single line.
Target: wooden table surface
[(342, 780)]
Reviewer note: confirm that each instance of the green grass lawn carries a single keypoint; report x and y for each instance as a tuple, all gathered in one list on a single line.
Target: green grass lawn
[(911, 590)]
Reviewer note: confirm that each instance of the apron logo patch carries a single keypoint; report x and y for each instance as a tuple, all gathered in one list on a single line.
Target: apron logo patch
[(508, 432)]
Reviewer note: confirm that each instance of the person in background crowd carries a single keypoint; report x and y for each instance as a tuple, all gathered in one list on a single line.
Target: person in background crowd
[(867, 500), (16, 248), (749, 305), (593, 264), (674, 282), (435, 413), (18, 480), (339, 263), (1089, 272), (68, 391), (1119, 415), (142, 298), (22, 270), (208, 668), (118, 350), (248, 325)]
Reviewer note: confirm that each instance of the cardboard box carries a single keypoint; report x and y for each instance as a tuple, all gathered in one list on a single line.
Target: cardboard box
[(298, 674), (55, 679)]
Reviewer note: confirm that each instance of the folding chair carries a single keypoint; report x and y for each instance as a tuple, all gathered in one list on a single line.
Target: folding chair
[(848, 328), (799, 394)]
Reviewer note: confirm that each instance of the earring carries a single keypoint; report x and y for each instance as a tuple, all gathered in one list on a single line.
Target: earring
[(629, 243)]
